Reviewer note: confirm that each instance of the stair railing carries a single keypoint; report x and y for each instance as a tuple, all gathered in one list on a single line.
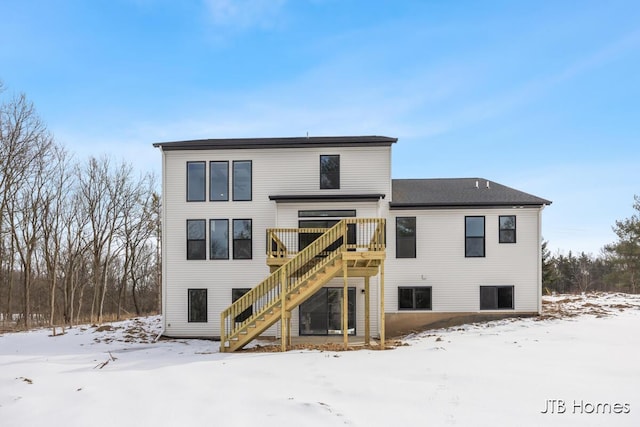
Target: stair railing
[(268, 293)]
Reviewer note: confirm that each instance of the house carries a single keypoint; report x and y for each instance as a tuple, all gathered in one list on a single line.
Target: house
[(264, 237)]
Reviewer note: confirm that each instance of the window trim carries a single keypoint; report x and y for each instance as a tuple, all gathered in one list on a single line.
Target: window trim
[(211, 198), (250, 239), (415, 237), (500, 229), (206, 303), (233, 185), (414, 288), (197, 240), (204, 165), (211, 253), (497, 297), (323, 187), (467, 237)]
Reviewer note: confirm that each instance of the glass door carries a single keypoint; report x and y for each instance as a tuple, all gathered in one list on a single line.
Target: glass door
[(322, 313)]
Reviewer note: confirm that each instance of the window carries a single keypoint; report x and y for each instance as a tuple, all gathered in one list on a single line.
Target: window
[(196, 239), (197, 305), (219, 239), (235, 296), (196, 181), (219, 181), (242, 239), (242, 180), (507, 229), (406, 237), (305, 239), (496, 297), (414, 298), (339, 213), (330, 172), (321, 314), (474, 236)]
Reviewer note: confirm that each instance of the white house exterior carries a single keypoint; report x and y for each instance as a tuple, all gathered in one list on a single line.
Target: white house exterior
[(455, 248)]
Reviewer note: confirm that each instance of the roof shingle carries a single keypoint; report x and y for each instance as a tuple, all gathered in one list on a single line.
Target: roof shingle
[(457, 192)]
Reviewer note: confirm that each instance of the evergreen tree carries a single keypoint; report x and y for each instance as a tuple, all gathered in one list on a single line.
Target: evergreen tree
[(624, 254)]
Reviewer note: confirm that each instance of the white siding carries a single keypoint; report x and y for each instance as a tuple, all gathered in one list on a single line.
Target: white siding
[(274, 172), (455, 280)]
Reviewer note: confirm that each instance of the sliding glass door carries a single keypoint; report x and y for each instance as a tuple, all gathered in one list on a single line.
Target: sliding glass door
[(321, 314)]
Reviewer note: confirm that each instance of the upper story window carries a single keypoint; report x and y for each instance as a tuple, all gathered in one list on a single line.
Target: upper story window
[(242, 238), (196, 239), (330, 172), (507, 229), (219, 181), (406, 237), (219, 239), (196, 187), (242, 180), (474, 236)]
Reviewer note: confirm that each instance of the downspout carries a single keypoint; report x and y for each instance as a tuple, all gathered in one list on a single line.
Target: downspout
[(540, 259)]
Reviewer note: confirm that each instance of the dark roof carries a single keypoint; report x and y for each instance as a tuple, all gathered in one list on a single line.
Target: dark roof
[(458, 192), (295, 142), (288, 198)]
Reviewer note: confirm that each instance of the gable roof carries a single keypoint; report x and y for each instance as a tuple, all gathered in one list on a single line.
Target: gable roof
[(291, 142), (457, 192)]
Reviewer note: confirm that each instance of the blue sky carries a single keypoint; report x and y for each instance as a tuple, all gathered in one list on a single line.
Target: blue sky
[(543, 96)]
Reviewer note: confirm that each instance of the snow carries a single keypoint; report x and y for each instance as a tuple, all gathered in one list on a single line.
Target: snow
[(584, 352)]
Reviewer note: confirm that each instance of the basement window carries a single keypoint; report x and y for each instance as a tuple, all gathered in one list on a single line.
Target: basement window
[(414, 298), (496, 297)]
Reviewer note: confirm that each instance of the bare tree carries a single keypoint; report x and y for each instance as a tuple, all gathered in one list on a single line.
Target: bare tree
[(25, 150)]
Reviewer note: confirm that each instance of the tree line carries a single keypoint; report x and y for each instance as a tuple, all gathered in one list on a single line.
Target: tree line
[(79, 239), (616, 268)]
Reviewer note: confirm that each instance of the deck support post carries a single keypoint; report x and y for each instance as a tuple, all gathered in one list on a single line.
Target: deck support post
[(283, 300), (367, 319), (345, 306), (382, 326)]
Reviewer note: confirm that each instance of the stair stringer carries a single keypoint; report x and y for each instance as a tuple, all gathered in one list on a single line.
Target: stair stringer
[(301, 290)]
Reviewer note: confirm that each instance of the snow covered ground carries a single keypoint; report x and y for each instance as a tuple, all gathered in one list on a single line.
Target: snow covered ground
[(583, 356)]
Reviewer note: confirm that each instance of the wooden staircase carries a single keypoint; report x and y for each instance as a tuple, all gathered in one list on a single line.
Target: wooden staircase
[(299, 277)]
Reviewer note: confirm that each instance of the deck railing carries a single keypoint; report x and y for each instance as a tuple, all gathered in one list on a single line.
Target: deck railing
[(362, 234), (358, 233)]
